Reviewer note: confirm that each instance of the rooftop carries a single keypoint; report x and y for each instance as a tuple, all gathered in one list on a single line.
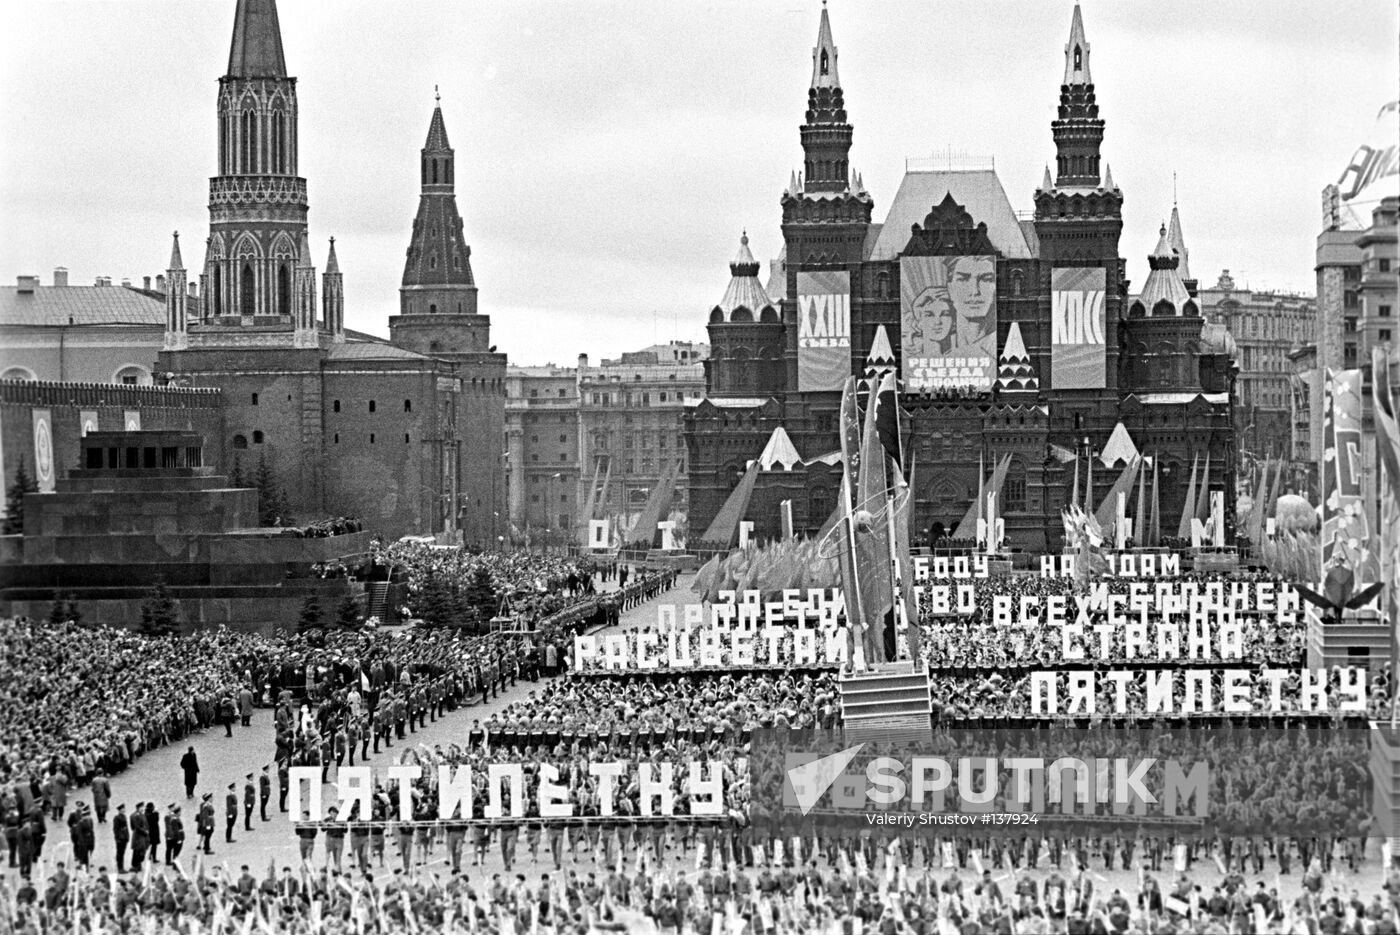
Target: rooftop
[(978, 190), (80, 305)]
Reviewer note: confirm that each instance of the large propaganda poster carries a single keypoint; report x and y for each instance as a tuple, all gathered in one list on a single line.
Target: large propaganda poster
[(1077, 326), (948, 321), (823, 330), (1346, 535)]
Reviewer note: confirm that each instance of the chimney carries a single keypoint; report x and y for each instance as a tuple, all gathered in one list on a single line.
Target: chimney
[(60, 276), (582, 361), (126, 283), (103, 281), (146, 283), (160, 282), (28, 284)]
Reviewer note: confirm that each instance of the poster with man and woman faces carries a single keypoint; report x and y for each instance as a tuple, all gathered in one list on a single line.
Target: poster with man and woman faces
[(948, 322)]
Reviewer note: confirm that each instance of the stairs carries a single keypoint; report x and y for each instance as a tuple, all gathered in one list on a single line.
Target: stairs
[(891, 703), (377, 600)]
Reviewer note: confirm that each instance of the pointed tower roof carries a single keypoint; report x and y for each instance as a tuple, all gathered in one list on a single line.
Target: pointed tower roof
[(824, 56), (175, 261), (1120, 447), (304, 251), (779, 451), (881, 353), (744, 290), (1014, 370), (1164, 282), (1077, 52), (332, 265), (1107, 178), (439, 256), (437, 134), (1178, 243), (257, 41), (1046, 184)]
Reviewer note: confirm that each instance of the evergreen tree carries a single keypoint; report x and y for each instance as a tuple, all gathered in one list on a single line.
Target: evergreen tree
[(14, 499), (160, 615), (312, 616), (235, 475), (272, 499), (480, 598), (435, 602), (347, 615), (65, 609)]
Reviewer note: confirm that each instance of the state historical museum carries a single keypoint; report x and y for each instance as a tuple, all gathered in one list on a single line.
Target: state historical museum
[(1013, 339)]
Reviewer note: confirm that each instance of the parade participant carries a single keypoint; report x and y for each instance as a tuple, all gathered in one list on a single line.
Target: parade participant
[(264, 791), (189, 763), (121, 835), (230, 812)]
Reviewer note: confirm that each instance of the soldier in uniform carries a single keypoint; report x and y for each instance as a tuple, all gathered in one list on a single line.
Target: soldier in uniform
[(230, 812), (174, 834), (283, 783), (205, 824), (264, 791), (250, 798)]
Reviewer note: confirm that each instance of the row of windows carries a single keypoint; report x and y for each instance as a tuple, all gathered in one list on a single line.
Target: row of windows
[(373, 406), (563, 439), (372, 438), (335, 404)]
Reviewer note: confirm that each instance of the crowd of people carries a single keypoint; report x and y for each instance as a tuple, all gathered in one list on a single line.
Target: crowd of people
[(842, 889), (79, 703), (957, 643)]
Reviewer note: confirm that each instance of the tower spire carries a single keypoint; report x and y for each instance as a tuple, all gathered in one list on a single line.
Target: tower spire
[(333, 298), (1077, 52), (257, 41), (824, 56), (177, 319), (1077, 128), (438, 275)]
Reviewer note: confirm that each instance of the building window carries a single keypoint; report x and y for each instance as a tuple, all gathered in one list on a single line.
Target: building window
[(240, 442), (563, 438), (371, 438), (257, 438), (1385, 334), (534, 393), (1384, 264), (534, 498), (534, 438), (1383, 311), (405, 438), (534, 457), (255, 399), (371, 405), (335, 406), (408, 405), (337, 438)]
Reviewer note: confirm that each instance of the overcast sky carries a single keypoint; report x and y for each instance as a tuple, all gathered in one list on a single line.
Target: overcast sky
[(608, 154)]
